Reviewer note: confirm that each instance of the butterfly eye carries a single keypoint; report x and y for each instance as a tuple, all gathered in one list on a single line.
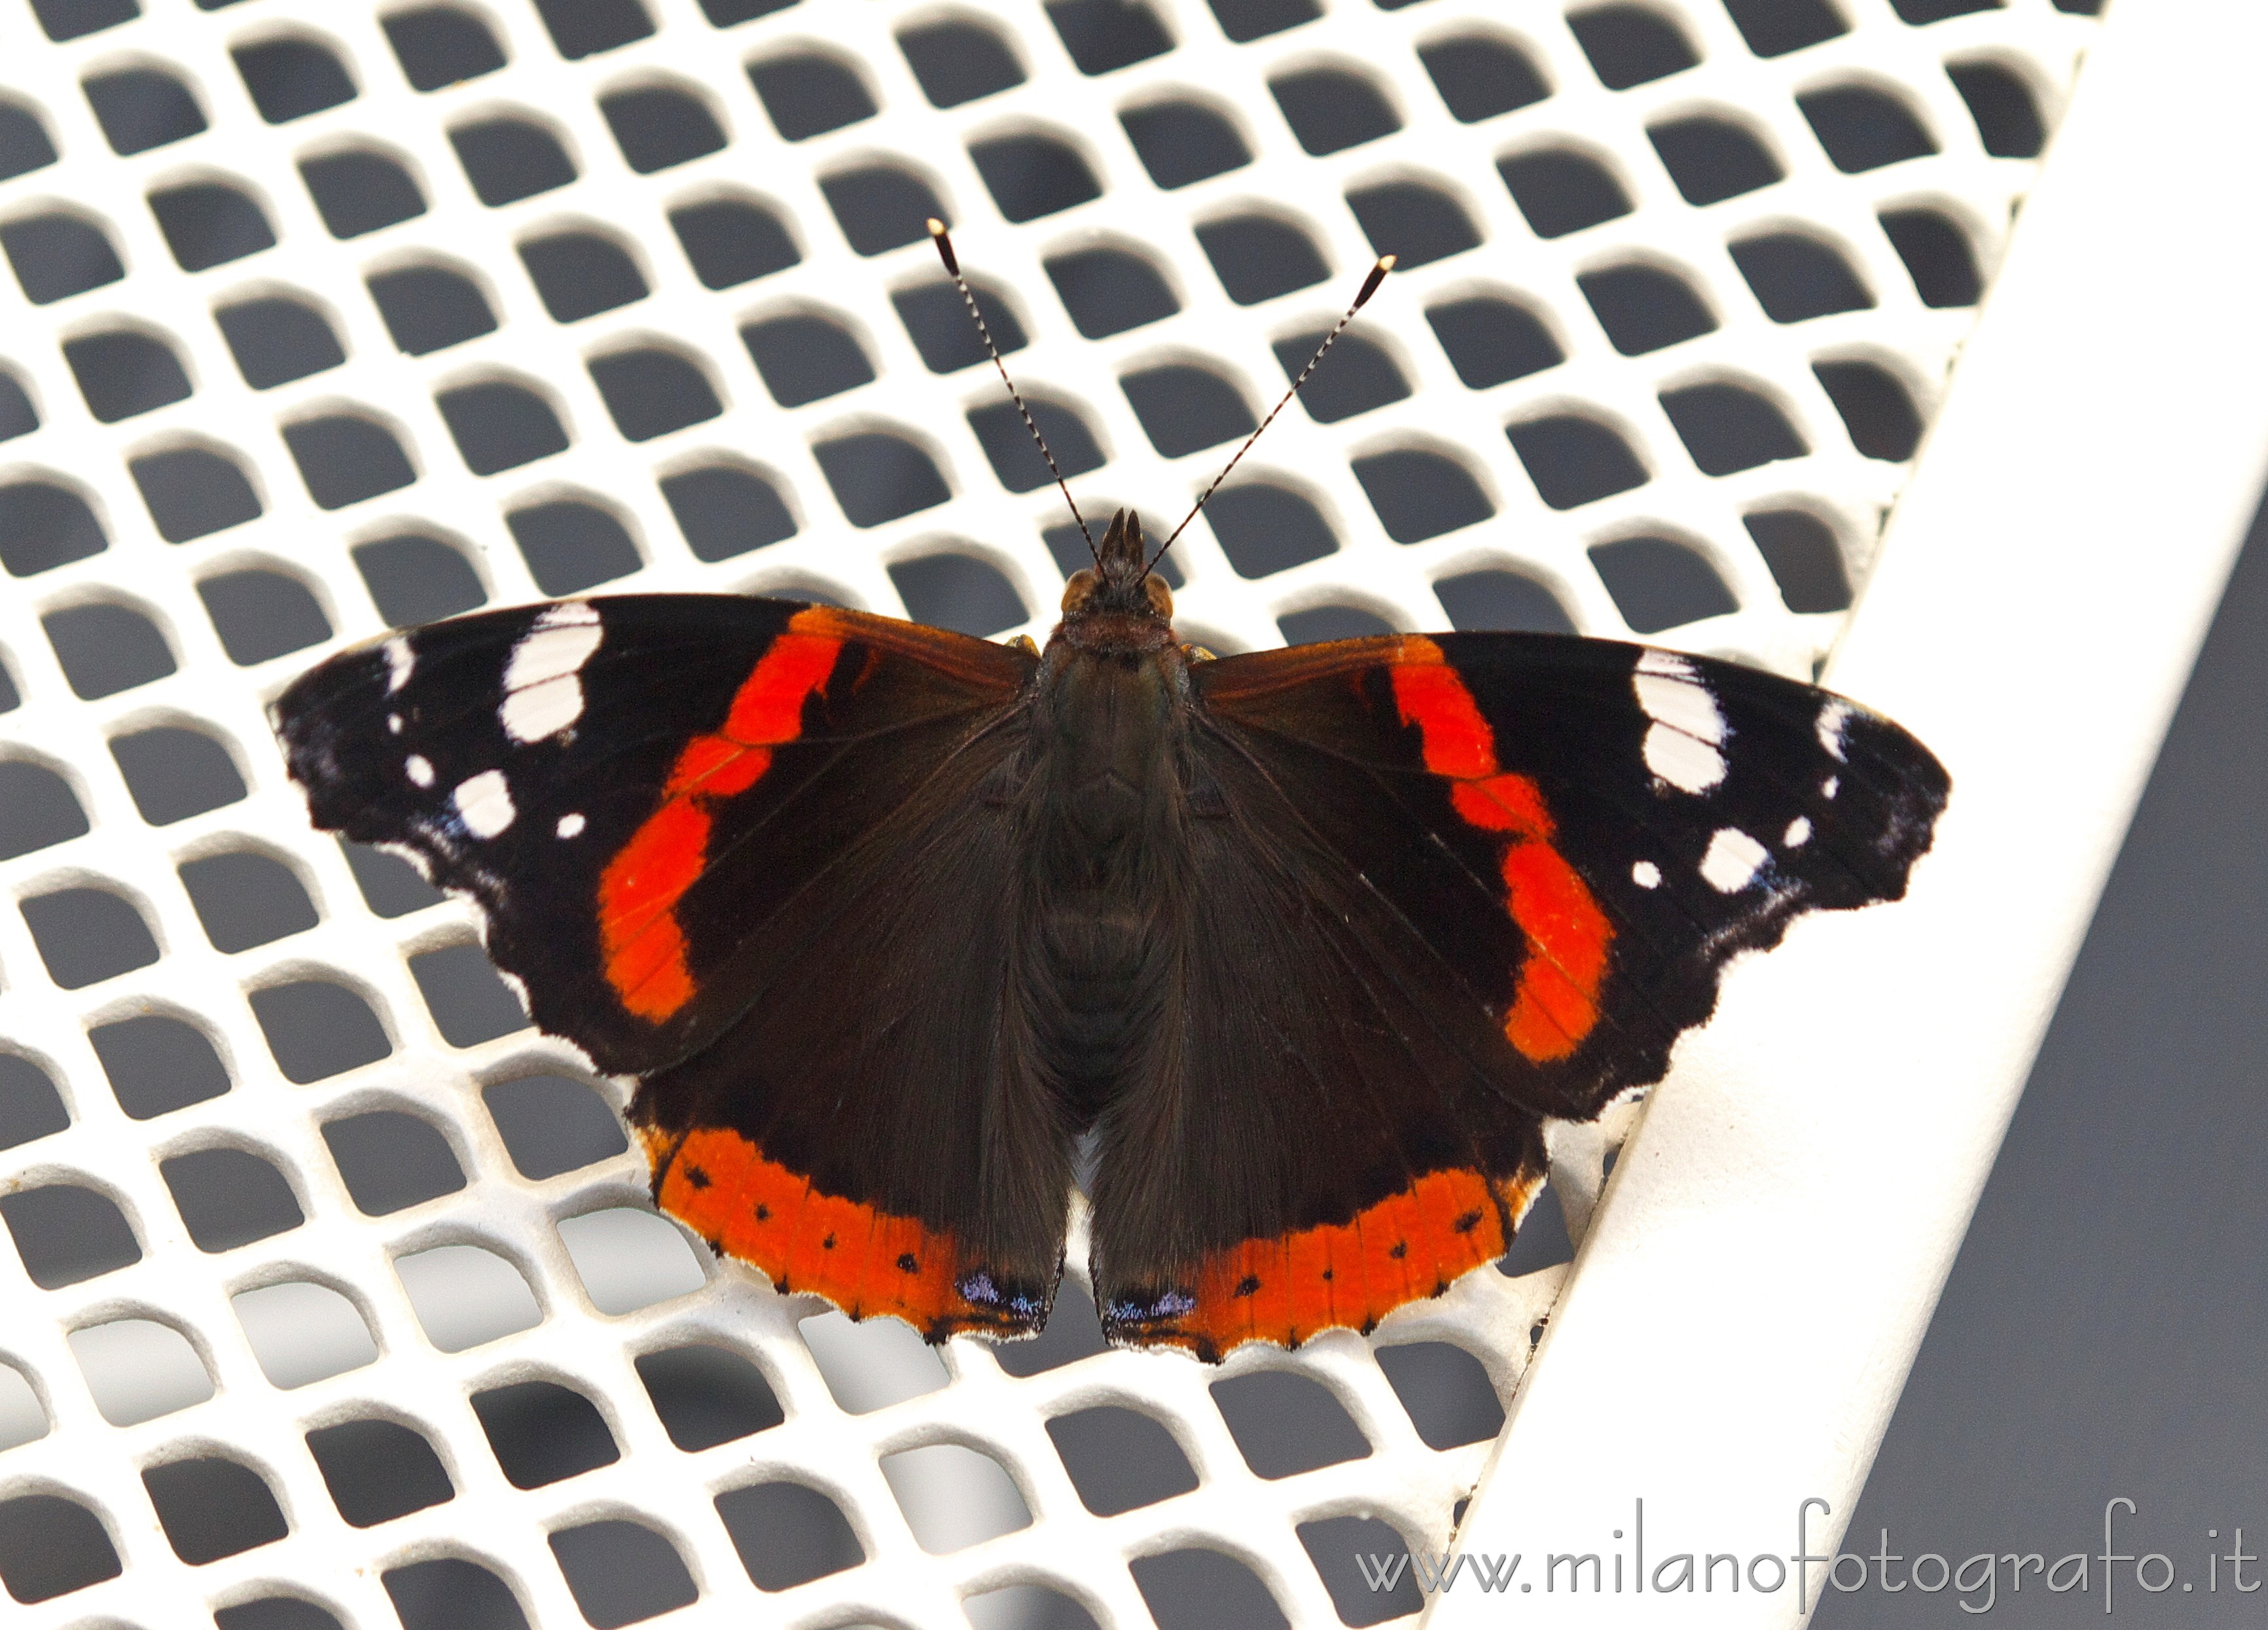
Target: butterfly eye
[(1080, 589), (1159, 596)]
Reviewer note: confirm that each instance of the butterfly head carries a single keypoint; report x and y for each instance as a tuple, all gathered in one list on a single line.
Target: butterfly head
[(1120, 584)]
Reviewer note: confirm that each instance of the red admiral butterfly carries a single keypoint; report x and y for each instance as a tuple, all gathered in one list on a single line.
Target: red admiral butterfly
[(1284, 959)]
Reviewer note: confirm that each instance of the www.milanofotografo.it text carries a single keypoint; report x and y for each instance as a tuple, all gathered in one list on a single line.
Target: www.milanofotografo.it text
[(1977, 1581)]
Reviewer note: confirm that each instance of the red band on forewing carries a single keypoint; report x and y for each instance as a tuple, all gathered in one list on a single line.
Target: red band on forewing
[(642, 942), (1556, 1002), (864, 1260)]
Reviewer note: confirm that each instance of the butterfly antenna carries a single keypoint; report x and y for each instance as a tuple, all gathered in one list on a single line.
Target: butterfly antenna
[(1369, 288), (944, 243)]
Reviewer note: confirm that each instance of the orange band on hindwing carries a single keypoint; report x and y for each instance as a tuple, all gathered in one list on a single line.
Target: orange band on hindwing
[(1406, 1247), (643, 944), (865, 1260), (1556, 1003)]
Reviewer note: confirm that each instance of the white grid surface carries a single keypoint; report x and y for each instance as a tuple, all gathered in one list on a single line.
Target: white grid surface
[(599, 1289)]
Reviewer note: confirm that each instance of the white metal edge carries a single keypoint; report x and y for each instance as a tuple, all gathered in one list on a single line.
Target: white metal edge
[(1746, 1312)]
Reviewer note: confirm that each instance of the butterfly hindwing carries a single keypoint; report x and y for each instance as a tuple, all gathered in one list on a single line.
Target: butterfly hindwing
[(1460, 884)]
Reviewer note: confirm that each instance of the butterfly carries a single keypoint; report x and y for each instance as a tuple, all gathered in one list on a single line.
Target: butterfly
[(1283, 960)]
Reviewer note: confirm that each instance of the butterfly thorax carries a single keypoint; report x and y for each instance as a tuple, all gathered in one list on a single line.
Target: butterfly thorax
[(1106, 803)]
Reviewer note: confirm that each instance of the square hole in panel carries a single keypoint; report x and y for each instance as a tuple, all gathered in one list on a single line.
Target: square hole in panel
[(1181, 143), (125, 372), (316, 1029), (808, 93), (959, 59), (652, 391), (508, 159), (1358, 375), (960, 592), (104, 649), (658, 128), (230, 1197), (621, 1573), (1542, 1241), (24, 143), (1103, 36), (43, 526), (1877, 409), (275, 341), (22, 1418), (873, 1364), (580, 273), (37, 809), (1195, 1589), (209, 223), (440, 46), (468, 1000), (1015, 456), (1480, 76), (275, 1612), (415, 579), (1575, 460), (301, 1332), (1264, 528), (1658, 583), (51, 1547), (262, 615), (1631, 45), (245, 900), (553, 1124), (788, 1535), (1257, 257), (1030, 175), (173, 772), (379, 1470), (1073, 1331), (391, 1160), (1331, 622), (30, 1106), (731, 241), (64, 1233), (136, 1369), (1805, 560), (953, 1496), (1445, 1390), (936, 319), (628, 1259), (543, 1433), (211, 1507), (877, 476), (429, 308), (156, 1065), (465, 1295), (571, 546), (1775, 28), (498, 425), (193, 492), (705, 1395), (291, 77), (344, 459), (452, 1593), (358, 193), (723, 510), (1419, 495), (1120, 1459), (1340, 1548), (56, 255), (1285, 1423)]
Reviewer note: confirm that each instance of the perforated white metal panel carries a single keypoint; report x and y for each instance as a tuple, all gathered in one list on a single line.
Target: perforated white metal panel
[(323, 314)]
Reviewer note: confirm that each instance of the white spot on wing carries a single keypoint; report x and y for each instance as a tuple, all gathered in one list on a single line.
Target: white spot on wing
[(401, 662), (570, 825), (1799, 832), (1731, 864), (485, 803), (1681, 748), (542, 695), (1832, 717), (419, 769), (1681, 704), (1646, 875), (393, 725), (1829, 788), (1686, 762)]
